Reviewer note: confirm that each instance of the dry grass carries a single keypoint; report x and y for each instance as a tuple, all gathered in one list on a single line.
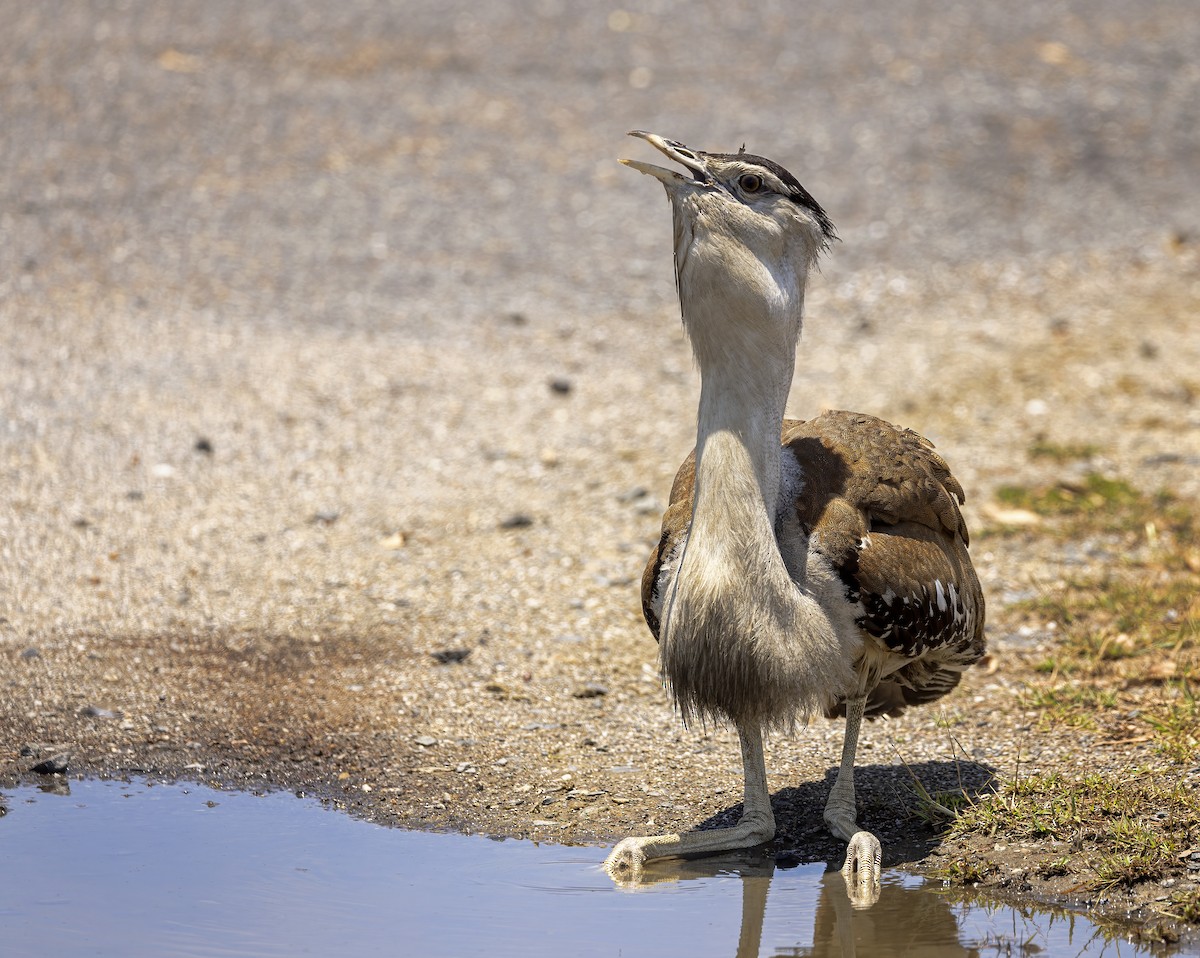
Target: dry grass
[(1119, 832), (1121, 668)]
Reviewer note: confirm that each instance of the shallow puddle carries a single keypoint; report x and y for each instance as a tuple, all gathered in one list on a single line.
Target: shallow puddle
[(111, 868)]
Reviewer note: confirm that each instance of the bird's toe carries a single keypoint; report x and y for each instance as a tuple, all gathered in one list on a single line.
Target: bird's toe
[(625, 861), (864, 856)]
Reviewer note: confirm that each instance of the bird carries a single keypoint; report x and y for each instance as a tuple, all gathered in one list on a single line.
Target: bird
[(805, 567)]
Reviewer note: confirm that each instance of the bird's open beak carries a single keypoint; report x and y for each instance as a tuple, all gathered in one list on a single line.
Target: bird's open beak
[(676, 151)]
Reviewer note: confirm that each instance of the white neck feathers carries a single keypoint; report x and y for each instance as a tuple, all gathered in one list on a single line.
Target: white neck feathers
[(740, 638)]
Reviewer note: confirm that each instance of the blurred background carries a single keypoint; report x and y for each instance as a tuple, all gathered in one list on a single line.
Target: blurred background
[(335, 345), (424, 164)]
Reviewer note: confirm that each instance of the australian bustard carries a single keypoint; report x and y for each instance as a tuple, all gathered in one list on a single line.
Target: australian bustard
[(804, 568)]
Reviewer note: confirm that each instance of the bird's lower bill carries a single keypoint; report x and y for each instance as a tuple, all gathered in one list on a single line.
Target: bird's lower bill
[(658, 172)]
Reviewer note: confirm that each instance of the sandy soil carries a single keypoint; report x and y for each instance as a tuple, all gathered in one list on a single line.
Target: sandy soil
[(344, 382)]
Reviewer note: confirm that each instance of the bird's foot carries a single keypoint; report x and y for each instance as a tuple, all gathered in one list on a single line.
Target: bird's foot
[(861, 871), (626, 862)]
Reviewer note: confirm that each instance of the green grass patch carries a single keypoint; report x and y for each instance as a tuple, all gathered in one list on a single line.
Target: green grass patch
[(1119, 618), (1185, 905), (1054, 868), (1144, 604), (1075, 705), (970, 872), (1062, 452), (1095, 493), (1126, 654), (1097, 503), (1121, 832), (1177, 725)]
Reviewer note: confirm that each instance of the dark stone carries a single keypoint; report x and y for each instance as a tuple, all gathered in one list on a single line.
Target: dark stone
[(54, 765), (447, 656)]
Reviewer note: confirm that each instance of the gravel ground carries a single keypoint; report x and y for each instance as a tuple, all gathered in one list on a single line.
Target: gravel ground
[(343, 378)]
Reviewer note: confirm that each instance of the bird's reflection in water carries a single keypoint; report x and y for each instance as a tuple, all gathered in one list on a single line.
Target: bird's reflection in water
[(903, 921)]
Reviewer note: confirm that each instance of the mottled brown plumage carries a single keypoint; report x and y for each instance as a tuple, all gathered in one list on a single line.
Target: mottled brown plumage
[(882, 507)]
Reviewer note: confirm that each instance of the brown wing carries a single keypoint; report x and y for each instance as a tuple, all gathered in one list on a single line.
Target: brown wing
[(882, 506), (674, 527)]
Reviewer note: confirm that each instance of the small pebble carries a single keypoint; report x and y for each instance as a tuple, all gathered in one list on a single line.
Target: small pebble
[(94, 711), (518, 520), (54, 765), (394, 542), (426, 741)]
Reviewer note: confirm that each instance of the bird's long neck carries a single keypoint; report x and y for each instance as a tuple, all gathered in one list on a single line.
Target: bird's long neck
[(738, 457), (744, 338), (730, 644)]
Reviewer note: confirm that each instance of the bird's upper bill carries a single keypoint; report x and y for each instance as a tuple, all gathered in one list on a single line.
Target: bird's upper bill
[(689, 159)]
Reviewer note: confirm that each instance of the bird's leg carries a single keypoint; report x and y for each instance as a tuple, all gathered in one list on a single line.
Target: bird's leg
[(754, 911), (863, 853), (757, 824)]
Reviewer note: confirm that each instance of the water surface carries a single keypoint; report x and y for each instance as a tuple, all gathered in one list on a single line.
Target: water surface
[(132, 869)]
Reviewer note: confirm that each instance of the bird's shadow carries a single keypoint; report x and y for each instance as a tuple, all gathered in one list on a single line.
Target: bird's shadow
[(890, 805)]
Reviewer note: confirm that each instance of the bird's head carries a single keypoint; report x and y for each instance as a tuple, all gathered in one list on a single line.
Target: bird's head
[(746, 232)]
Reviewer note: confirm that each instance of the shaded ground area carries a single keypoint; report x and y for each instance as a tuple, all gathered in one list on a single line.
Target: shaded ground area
[(344, 384)]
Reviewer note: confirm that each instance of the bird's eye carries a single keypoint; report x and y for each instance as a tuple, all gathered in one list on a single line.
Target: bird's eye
[(750, 182)]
